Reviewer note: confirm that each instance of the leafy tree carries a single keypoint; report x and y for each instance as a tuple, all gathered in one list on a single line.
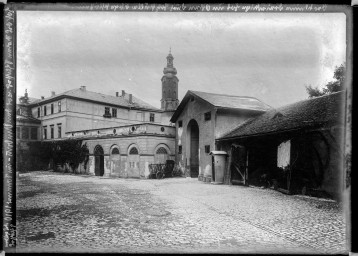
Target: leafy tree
[(41, 153), (333, 86)]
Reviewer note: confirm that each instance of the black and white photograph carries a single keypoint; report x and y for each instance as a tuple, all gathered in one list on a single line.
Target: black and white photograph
[(191, 128)]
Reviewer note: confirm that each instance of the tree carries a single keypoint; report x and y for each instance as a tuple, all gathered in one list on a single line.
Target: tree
[(333, 86)]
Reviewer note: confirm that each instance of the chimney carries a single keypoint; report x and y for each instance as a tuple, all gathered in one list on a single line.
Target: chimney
[(42, 97), (130, 99), (53, 93), (123, 93), (117, 94), (83, 88)]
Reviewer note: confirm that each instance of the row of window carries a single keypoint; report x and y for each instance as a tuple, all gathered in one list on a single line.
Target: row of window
[(51, 109), (52, 131), (207, 149), (133, 151), (140, 115), (26, 133)]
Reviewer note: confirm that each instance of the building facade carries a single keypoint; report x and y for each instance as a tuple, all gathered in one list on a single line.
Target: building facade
[(201, 118), (123, 133), (27, 129), (296, 148)]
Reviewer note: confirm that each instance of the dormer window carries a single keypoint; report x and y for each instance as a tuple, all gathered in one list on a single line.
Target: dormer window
[(51, 108), (38, 112), (45, 110), (277, 115), (59, 106)]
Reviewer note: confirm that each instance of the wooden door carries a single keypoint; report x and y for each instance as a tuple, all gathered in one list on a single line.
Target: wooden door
[(238, 166)]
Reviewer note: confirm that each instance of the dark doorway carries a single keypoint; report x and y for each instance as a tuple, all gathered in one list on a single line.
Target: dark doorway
[(98, 161), (213, 168), (239, 165), (193, 130)]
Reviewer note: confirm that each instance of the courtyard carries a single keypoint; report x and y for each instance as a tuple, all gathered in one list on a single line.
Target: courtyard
[(59, 212)]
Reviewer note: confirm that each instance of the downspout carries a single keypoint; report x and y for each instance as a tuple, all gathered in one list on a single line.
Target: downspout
[(247, 168)]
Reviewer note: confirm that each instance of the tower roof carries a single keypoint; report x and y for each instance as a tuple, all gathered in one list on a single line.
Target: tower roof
[(170, 69)]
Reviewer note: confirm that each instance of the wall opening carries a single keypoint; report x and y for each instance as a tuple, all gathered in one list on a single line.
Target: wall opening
[(98, 160), (193, 130), (161, 156)]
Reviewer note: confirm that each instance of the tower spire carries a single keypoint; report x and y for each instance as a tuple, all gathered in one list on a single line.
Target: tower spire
[(170, 81)]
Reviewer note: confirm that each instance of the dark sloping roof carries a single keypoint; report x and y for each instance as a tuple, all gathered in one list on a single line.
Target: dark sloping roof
[(222, 101), (22, 118), (102, 98), (29, 100), (315, 112)]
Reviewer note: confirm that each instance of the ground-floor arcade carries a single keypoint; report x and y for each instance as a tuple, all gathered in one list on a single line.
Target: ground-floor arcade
[(127, 157)]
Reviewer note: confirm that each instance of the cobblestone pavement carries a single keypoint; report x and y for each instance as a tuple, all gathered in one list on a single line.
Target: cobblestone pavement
[(76, 213)]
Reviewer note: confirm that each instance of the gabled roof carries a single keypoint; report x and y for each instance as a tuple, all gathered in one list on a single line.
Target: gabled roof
[(222, 101), (311, 113), (122, 101)]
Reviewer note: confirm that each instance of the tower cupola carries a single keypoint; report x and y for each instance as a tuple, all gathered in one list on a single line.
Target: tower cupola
[(169, 101)]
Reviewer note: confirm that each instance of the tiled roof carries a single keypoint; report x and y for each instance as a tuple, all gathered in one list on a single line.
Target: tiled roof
[(315, 112), (103, 98), (223, 101), (231, 101)]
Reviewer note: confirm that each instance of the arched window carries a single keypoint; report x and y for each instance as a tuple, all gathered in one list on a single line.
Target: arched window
[(133, 151), (115, 151), (98, 150), (162, 150)]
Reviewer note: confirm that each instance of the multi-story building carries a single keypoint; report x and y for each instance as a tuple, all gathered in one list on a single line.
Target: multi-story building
[(121, 124)]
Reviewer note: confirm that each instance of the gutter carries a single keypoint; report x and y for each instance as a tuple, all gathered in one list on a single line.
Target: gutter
[(269, 133)]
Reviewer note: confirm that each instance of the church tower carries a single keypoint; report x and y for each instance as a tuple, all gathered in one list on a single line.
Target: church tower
[(169, 101)]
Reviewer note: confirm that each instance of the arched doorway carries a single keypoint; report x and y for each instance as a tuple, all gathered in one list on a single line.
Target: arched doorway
[(133, 162), (98, 160), (161, 155), (193, 135), (115, 159)]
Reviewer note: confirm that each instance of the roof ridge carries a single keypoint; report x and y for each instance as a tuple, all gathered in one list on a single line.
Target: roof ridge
[(140, 103), (226, 95), (309, 99)]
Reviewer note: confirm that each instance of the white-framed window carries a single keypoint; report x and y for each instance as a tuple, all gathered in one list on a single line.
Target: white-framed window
[(151, 117)]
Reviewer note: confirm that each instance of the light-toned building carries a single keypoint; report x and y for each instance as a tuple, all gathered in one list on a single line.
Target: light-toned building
[(202, 117), (124, 134), (81, 109)]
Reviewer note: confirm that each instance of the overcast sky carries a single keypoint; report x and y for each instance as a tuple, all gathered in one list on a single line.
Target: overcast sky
[(270, 56)]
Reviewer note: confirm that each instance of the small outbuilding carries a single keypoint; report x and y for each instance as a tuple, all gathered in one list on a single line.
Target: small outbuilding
[(297, 148)]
